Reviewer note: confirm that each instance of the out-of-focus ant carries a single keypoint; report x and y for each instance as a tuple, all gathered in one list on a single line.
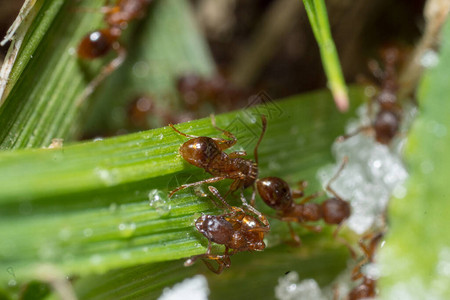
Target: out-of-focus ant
[(143, 107), (275, 192), (208, 153), (387, 121), (99, 42), (367, 288), (237, 230), (196, 91)]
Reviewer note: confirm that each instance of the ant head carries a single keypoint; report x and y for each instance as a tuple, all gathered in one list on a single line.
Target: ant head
[(200, 151), (215, 228), (96, 44), (275, 192), (335, 210), (386, 126)]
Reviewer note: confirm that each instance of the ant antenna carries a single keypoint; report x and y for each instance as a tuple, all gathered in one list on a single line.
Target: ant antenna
[(216, 193), (264, 127), (344, 162)]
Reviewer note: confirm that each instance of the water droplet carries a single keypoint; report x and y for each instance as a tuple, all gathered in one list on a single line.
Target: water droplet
[(370, 91), (274, 166), (87, 232), (64, 234), (161, 136), (427, 167), (98, 139), (399, 191), (141, 69), (105, 176), (72, 51), (12, 282), (46, 251), (127, 229), (159, 201), (429, 59), (113, 207), (96, 259)]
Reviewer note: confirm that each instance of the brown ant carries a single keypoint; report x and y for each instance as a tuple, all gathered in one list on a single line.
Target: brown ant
[(275, 192), (386, 123), (143, 107), (367, 288), (98, 43), (208, 153), (238, 231), (196, 91)]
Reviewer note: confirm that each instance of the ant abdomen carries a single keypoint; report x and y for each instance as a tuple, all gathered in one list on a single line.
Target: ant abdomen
[(386, 126), (275, 192), (96, 44), (335, 210)]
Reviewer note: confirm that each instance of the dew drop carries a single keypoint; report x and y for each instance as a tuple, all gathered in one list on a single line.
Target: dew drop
[(87, 232), (64, 234), (429, 59), (12, 282), (127, 229), (159, 201), (141, 69), (113, 207), (125, 255), (96, 259)]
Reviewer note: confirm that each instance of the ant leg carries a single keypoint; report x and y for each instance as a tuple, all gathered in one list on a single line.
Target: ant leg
[(223, 261), (296, 241), (236, 154), (211, 267), (108, 69), (234, 186), (342, 138), (256, 212), (216, 193), (310, 197), (264, 127), (312, 228), (224, 144), (243, 199), (253, 198), (182, 133), (300, 192), (184, 186), (344, 162), (343, 241)]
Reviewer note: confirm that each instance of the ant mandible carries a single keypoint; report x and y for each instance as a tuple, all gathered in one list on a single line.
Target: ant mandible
[(208, 153), (98, 43), (388, 118), (367, 288), (238, 231), (276, 193)]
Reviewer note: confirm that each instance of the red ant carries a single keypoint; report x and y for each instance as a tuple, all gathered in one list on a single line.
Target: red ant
[(142, 107), (99, 42), (238, 231), (387, 121), (195, 91), (208, 153), (275, 192), (367, 288)]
